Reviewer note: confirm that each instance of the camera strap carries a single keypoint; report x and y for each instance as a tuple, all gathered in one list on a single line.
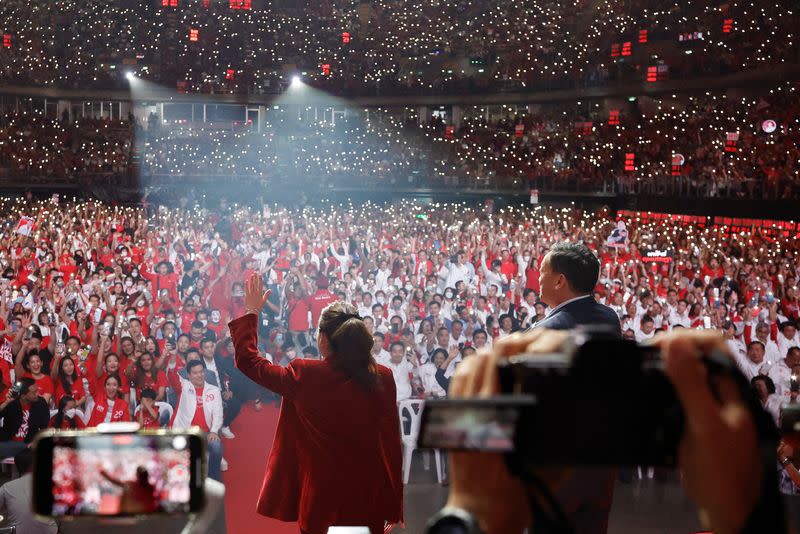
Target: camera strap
[(552, 520)]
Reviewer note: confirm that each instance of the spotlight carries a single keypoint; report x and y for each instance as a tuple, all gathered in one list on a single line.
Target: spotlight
[(296, 80), (130, 76)]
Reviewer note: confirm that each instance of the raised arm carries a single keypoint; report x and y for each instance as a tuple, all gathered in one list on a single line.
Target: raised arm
[(244, 331)]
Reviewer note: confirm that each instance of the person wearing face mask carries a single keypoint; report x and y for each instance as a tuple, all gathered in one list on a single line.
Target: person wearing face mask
[(215, 323), (448, 304), (378, 316), (396, 308), (128, 286)]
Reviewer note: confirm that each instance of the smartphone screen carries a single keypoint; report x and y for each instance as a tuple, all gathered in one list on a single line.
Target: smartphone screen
[(110, 475), (473, 425)]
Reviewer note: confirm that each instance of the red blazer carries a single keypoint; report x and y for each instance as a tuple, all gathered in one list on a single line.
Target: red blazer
[(336, 458)]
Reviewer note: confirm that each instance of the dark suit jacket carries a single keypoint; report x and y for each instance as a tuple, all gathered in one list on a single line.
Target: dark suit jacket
[(586, 495), (584, 311), (38, 419), (336, 458)]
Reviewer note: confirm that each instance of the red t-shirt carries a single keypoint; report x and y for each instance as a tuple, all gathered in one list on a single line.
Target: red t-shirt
[(167, 281), (319, 300), (186, 320), (712, 273), (5, 372), (147, 420), (76, 391), (159, 382), (298, 314), (199, 413), (45, 384)]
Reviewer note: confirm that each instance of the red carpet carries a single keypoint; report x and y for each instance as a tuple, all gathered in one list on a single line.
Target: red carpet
[(247, 461)]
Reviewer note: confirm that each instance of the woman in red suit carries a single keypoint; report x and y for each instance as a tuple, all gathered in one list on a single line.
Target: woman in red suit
[(336, 458)]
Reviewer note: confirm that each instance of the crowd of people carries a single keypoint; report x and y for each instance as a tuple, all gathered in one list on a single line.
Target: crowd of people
[(727, 145), (119, 313), (386, 46), (33, 145)]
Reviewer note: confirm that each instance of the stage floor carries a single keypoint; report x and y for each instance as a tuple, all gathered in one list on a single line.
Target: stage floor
[(643, 506)]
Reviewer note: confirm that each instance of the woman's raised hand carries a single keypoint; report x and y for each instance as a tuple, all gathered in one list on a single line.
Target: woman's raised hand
[(254, 295)]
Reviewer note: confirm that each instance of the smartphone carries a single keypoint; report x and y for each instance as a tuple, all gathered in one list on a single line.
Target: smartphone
[(463, 424), (118, 474)]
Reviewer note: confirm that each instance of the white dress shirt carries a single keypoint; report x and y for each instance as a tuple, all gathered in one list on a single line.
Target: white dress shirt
[(401, 380), (781, 374), (427, 374)]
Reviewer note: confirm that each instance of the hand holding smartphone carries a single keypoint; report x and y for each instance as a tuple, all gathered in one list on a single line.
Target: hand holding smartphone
[(118, 474)]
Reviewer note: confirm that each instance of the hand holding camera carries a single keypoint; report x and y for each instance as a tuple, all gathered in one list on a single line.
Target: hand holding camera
[(715, 412)]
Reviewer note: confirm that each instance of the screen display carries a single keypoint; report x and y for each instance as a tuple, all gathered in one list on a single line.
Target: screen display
[(482, 428), (125, 474)]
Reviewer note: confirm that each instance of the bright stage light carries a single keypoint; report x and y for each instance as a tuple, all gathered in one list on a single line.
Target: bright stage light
[(130, 76), (296, 80)]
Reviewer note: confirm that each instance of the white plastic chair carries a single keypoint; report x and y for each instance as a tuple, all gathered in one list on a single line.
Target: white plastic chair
[(410, 411)]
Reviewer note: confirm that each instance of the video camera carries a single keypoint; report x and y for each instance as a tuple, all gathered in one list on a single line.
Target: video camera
[(599, 401)]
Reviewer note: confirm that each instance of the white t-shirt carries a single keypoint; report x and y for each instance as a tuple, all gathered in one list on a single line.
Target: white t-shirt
[(109, 411), (401, 380), (676, 319), (784, 343), (383, 357), (641, 336)]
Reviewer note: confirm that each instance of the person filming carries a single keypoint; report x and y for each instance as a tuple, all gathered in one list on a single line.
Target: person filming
[(733, 490), (24, 414), (336, 459)]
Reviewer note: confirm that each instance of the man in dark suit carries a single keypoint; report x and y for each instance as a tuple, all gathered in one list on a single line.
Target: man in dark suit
[(567, 278)]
